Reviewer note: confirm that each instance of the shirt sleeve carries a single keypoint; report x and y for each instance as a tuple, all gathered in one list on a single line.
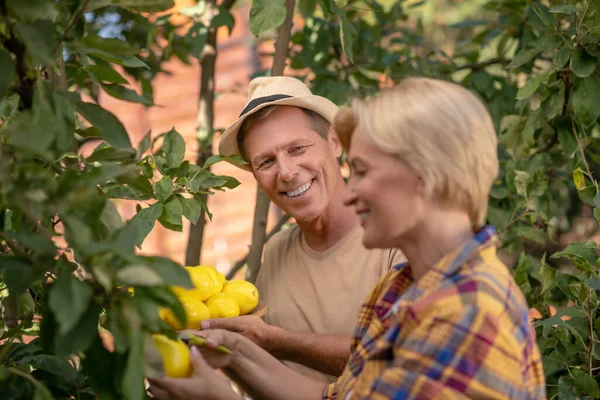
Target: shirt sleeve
[(450, 354)]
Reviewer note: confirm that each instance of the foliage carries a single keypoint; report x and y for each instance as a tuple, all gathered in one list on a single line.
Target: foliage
[(536, 64), (67, 259)]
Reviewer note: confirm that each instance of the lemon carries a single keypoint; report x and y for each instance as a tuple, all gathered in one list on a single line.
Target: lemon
[(222, 305), (244, 292), (206, 283), (195, 312), (175, 355)]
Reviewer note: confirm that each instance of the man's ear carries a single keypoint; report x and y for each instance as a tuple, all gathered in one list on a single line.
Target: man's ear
[(334, 142)]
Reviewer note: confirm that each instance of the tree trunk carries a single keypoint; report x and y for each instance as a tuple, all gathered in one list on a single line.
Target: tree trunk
[(205, 127), (261, 210)]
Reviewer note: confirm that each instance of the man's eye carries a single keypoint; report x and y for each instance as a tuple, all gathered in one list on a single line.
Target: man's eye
[(297, 149), (359, 173), (265, 163)]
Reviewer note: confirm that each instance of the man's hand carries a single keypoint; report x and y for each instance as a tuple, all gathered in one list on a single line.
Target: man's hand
[(205, 383), (250, 326)]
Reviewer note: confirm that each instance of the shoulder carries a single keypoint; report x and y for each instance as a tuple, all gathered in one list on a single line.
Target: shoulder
[(479, 289)]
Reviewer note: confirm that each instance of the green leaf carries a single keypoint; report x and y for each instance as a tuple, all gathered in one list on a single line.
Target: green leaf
[(81, 336), (592, 83), (522, 179), (307, 8), (522, 57), (39, 38), (17, 273), (144, 221), (579, 179), (106, 74), (68, 299), (583, 63), (347, 34), (112, 154), (235, 159), (581, 255), (566, 388), (110, 217), (150, 6), (532, 85), (340, 3), (586, 385), (7, 66), (112, 129), (561, 57), (132, 384), (223, 18), (566, 136), (531, 233), (109, 45), (123, 93), (139, 275), (59, 367), (163, 188), (593, 283), (171, 217), (33, 10), (144, 144), (266, 15), (583, 101), (174, 148), (548, 276), (563, 9), (42, 393), (192, 209), (171, 272)]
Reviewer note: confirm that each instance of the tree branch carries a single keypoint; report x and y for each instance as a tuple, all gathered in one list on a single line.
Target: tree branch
[(14, 246), (71, 24), (481, 65), (261, 209), (205, 129)]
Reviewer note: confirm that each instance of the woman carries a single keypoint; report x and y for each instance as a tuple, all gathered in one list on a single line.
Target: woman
[(451, 322)]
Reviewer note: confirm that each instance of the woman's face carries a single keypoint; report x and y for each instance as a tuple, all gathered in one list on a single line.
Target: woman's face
[(386, 193)]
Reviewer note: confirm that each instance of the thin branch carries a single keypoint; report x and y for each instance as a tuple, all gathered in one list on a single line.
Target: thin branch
[(481, 65), (14, 246), (591, 321), (71, 24), (584, 159)]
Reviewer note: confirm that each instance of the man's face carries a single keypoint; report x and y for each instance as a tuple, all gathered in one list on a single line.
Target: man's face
[(293, 164)]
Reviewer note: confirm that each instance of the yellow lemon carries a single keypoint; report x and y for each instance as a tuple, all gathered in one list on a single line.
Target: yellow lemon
[(206, 283), (175, 355), (222, 305), (244, 292), (195, 312)]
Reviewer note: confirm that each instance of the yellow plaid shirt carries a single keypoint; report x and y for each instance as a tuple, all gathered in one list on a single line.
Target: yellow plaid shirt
[(462, 331)]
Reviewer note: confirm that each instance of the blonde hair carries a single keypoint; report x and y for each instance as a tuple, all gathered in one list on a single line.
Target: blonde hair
[(441, 130)]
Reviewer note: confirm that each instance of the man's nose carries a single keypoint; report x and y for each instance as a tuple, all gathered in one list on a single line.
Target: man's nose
[(287, 170)]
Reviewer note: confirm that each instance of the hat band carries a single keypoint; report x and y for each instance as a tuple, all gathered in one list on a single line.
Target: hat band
[(262, 100)]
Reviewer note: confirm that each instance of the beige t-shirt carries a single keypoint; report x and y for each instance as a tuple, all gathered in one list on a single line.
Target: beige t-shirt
[(319, 292)]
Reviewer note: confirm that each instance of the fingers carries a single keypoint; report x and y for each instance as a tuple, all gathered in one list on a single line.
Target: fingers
[(198, 363), (230, 324), (160, 388)]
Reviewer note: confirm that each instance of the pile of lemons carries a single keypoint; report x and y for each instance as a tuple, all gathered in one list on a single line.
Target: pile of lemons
[(212, 297)]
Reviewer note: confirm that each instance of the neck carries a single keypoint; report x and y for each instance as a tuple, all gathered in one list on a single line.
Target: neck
[(441, 233), (330, 227)]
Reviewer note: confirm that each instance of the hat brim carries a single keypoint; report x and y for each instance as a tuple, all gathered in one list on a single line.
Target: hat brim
[(228, 145)]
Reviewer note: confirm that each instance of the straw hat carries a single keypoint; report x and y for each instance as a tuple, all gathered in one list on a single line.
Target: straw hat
[(274, 90)]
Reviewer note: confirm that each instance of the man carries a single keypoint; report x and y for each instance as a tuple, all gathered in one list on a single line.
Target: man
[(315, 274)]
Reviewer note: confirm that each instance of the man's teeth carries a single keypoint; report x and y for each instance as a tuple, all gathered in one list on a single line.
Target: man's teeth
[(362, 215), (301, 190)]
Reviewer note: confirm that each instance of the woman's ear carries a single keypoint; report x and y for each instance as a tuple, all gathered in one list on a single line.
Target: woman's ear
[(334, 142)]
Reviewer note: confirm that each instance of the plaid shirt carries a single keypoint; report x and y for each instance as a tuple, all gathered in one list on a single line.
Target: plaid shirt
[(461, 331)]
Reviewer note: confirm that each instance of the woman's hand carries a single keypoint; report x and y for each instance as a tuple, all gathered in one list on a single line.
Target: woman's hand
[(205, 383)]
